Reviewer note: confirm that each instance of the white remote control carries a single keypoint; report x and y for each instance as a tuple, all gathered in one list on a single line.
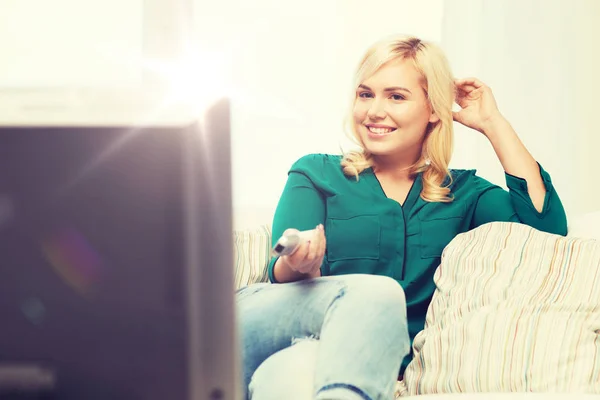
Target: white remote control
[(289, 242)]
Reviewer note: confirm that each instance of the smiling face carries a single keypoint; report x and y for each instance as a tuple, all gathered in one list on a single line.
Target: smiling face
[(391, 112)]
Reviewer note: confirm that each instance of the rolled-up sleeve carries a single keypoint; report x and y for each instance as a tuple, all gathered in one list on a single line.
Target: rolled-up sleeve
[(497, 204)]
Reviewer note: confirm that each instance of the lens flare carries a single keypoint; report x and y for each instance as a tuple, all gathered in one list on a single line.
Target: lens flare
[(73, 259)]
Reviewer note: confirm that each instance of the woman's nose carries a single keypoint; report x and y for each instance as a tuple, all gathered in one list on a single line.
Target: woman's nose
[(376, 111)]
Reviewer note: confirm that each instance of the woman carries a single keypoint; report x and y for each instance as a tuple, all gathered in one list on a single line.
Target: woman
[(349, 301)]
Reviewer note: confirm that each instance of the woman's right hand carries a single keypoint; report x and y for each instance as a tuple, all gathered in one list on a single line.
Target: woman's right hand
[(308, 257)]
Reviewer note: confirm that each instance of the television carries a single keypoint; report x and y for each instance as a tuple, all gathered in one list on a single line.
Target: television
[(116, 264)]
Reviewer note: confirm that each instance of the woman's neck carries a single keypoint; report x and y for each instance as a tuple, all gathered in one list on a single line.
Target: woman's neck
[(393, 167)]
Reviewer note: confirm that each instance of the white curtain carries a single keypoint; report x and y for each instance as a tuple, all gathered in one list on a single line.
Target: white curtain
[(541, 59)]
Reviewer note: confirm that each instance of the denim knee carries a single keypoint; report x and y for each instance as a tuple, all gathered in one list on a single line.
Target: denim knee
[(378, 289), (288, 374)]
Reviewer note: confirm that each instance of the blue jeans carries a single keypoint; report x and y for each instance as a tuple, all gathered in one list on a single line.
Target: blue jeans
[(337, 337)]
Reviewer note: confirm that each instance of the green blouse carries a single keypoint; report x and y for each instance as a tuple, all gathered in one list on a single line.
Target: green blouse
[(369, 233)]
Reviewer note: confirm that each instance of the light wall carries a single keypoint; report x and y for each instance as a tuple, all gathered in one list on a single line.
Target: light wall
[(586, 54), (294, 63), (292, 66), (541, 60)]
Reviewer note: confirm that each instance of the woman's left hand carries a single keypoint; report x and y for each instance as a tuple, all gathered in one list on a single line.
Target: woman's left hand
[(477, 103)]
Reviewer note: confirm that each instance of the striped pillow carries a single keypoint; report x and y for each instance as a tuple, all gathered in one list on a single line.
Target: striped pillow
[(252, 252), (515, 310)]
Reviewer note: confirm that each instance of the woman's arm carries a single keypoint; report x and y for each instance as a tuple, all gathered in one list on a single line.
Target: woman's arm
[(515, 158), (531, 198), (301, 206)]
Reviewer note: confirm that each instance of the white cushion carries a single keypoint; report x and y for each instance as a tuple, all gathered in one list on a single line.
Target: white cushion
[(251, 254), (515, 310)]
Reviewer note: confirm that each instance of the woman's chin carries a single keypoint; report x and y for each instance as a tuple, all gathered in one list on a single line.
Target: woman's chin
[(379, 150)]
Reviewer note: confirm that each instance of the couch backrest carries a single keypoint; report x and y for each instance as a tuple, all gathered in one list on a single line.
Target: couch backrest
[(252, 252)]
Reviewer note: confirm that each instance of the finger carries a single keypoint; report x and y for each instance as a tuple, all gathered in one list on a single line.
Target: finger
[(315, 257), (320, 248), (298, 257), (464, 99), (314, 245), (466, 88), (307, 265), (472, 81), (322, 245), (461, 101), (465, 91)]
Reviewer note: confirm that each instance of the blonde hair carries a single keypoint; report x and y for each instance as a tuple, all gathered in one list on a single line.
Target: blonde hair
[(438, 83)]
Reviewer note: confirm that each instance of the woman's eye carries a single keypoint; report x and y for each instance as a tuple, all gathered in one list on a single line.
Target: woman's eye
[(397, 97), (365, 95)]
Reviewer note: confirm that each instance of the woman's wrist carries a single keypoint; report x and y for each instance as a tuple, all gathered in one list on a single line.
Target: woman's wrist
[(284, 273), (495, 125)]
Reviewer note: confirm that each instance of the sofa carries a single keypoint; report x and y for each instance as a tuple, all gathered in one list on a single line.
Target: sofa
[(516, 311)]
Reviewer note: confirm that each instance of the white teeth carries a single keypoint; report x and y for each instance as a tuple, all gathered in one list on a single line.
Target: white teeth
[(380, 131)]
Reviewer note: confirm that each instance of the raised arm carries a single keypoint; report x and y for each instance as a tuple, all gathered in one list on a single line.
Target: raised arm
[(531, 198), (516, 159)]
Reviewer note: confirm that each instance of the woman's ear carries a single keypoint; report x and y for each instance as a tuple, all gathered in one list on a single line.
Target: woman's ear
[(433, 118)]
